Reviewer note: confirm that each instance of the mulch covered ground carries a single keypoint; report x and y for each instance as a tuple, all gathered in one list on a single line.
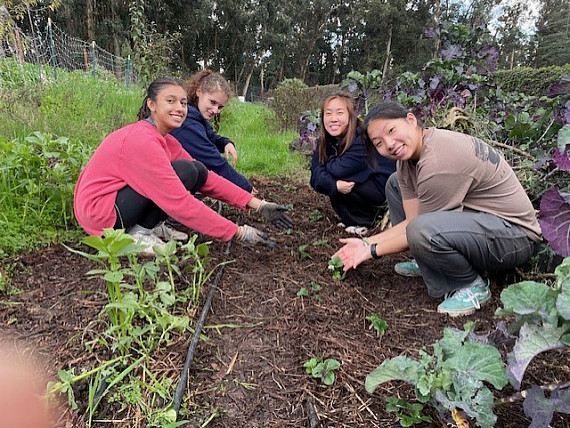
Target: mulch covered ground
[(250, 370)]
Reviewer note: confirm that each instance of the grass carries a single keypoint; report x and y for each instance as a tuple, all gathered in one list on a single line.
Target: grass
[(49, 129)]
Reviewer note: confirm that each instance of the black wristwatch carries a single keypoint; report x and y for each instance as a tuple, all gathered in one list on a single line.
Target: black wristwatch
[(373, 252)]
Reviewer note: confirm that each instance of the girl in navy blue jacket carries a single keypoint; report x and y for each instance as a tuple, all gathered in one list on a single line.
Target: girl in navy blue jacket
[(342, 168), (208, 93)]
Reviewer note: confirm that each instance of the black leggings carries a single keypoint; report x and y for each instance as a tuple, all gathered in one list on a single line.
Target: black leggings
[(133, 208), (359, 207)]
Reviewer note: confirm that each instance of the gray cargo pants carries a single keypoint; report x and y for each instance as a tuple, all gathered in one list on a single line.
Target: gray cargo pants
[(453, 248)]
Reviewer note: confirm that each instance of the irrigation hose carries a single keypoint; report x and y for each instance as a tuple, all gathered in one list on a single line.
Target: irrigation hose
[(194, 342)]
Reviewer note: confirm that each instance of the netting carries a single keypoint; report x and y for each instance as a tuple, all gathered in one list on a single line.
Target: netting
[(54, 48)]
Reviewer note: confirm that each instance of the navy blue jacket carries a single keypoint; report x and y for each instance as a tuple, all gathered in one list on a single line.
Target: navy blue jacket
[(353, 165), (199, 139)]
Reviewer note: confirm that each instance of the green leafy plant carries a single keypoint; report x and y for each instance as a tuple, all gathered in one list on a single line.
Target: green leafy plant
[(335, 266), (321, 243), (303, 252), (540, 317), (378, 324), (408, 414), (314, 290), (140, 301), (322, 369), (315, 216), (452, 377)]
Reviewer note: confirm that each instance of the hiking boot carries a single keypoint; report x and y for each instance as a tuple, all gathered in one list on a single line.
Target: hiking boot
[(146, 237), (167, 233), (465, 301), (357, 230), (410, 268)]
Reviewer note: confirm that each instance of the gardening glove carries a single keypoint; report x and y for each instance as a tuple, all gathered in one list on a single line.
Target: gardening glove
[(251, 235), (276, 214)]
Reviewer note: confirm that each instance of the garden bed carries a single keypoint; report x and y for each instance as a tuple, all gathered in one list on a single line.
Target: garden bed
[(249, 373)]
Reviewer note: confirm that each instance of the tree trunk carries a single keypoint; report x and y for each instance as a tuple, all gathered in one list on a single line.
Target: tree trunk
[(388, 55), (90, 21), (437, 20), (247, 80)]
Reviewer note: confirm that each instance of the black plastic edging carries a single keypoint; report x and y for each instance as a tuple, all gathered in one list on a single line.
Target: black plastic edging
[(194, 342)]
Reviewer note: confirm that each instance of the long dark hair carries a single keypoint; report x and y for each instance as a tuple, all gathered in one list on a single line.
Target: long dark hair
[(387, 110), (152, 92), (350, 133), (207, 81)]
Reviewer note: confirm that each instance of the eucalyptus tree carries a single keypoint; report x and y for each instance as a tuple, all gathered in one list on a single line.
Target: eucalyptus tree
[(553, 33)]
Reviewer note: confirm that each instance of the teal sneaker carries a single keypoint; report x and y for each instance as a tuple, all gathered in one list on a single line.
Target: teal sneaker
[(410, 268), (465, 301)]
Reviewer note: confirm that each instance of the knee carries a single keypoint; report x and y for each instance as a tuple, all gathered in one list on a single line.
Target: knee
[(419, 232), (202, 174), (193, 174)]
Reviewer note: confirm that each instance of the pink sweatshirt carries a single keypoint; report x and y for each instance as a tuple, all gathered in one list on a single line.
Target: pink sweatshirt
[(138, 156)]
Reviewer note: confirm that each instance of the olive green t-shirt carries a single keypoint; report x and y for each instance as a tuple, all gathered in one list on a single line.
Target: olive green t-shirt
[(458, 172)]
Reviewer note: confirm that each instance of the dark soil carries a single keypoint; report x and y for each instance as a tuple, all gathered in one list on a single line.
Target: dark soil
[(250, 370)]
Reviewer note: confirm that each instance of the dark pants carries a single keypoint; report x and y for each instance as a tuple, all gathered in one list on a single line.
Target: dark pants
[(359, 207), (453, 248), (133, 208)]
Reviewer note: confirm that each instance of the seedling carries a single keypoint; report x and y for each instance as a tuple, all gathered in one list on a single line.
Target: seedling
[(316, 215), (321, 243), (323, 370), (335, 265), (314, 291), (408, 414), (303, 252), (378, 324)]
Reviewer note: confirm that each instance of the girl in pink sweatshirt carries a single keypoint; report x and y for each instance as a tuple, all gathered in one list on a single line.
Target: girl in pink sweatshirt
[(140, 174)]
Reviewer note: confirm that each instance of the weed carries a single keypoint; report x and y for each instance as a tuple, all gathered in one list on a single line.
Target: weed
[(408, 414), (303, 252), (316, 215), (322, 369), (315, 291), (321, 243), (378, 324)]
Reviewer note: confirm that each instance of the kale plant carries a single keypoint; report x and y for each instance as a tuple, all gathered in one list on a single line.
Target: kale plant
[(455, 376)]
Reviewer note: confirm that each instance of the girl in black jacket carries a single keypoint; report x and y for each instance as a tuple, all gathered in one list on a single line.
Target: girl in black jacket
[(342, 169)]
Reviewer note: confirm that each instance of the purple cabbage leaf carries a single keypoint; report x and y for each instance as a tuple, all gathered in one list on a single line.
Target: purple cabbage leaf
[(533, 340), (554, 218), (541, 409)]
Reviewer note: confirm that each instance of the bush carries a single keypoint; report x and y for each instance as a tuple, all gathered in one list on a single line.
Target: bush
[(530, 81), (289, 100)]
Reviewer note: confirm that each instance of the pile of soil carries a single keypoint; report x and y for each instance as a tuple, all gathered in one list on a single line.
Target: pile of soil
[(249, 372)]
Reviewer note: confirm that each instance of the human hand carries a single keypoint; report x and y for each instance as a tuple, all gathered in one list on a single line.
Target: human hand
[(231, 153), (275, 214), (344, 186), (251, 235), (354, 252)]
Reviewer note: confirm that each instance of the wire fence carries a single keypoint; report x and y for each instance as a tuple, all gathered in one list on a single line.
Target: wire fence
[(53, 49)]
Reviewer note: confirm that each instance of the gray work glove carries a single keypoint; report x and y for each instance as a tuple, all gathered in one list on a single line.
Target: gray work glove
[(251, 235), (275, 214)]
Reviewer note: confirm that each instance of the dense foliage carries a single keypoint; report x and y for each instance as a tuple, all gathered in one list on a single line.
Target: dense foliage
[(259, 43)]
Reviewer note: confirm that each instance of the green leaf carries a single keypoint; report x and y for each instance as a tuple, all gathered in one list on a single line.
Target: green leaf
[(480, 362), (328, 379), (528, 298), (564, 137), (398, 368)]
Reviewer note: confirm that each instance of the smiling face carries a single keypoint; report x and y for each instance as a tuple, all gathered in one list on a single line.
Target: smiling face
[(336, 117), (169, 109), (210, 103), (398, 139)]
